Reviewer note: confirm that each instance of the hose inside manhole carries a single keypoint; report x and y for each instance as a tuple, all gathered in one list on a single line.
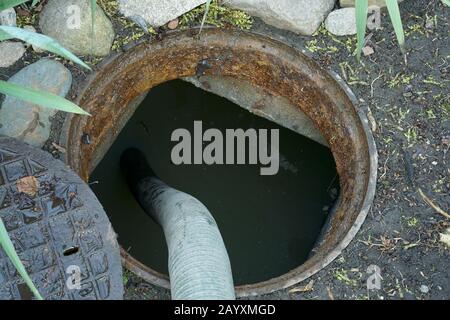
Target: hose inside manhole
[(199, 267), (272, 65)]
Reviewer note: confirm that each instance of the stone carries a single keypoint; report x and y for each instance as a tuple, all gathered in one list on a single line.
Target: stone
[(70, 23), (446, 142), (424, 289), (8, 17), (445, 237), (260, 103), (342, 22), (378, 3), (430, 23), (10, 53), (27, 121), (157, 13), (172, 25), (299, 16)]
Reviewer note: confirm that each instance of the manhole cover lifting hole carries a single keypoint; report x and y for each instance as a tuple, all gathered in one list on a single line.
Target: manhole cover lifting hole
[(58, 228)]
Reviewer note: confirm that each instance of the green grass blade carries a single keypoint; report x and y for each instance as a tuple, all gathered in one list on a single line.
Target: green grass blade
[(6, 4), (4, 36), (394, 13), (41, 98), (40, 41), (93, 10), (361, 7), (208, 3), (8, 247), (35, 2)]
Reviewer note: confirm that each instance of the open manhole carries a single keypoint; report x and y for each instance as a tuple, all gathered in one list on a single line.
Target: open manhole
[(347, 168)]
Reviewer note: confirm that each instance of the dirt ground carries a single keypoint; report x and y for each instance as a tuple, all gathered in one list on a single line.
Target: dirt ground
[(406, 98), (408, 103)]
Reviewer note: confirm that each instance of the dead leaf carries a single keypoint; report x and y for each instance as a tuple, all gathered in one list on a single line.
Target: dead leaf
[(445, 237), (28, 185), (330, 293), (371, 118), (367, 50), (309, 287), (22, 13)]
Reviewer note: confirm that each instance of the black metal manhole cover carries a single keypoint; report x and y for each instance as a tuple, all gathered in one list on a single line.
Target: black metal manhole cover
[(58, 228)]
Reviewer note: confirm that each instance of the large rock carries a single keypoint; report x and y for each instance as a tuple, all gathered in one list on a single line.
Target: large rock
[(70, 23), (299, 16), (342, 22), (157, 12), (8, 17), (30, 122), (10, 52), (259, 102), (378, 3)]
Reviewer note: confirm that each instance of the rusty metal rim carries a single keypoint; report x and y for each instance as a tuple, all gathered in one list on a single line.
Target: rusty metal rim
[(350, 139)]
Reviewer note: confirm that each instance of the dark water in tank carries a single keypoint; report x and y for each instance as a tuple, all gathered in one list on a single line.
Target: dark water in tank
[(269, 223)]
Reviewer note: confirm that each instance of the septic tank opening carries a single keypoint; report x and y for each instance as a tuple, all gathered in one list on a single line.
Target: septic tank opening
[(112, 94), (269, 223)]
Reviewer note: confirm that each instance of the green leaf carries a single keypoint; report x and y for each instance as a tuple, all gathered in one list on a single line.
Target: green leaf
[(208, 3), (6, 4), (93, 9), (35, 2), (40, 41), (362, 6), (4, 36), (41, 98), (8, 247), (394, 13), (446, 2)]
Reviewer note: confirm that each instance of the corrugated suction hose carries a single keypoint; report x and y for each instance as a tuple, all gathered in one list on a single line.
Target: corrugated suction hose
[(199, 267)]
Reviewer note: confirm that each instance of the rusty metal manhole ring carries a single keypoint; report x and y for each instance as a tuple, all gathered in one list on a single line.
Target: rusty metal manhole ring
[(57, 226), (267, 63)]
